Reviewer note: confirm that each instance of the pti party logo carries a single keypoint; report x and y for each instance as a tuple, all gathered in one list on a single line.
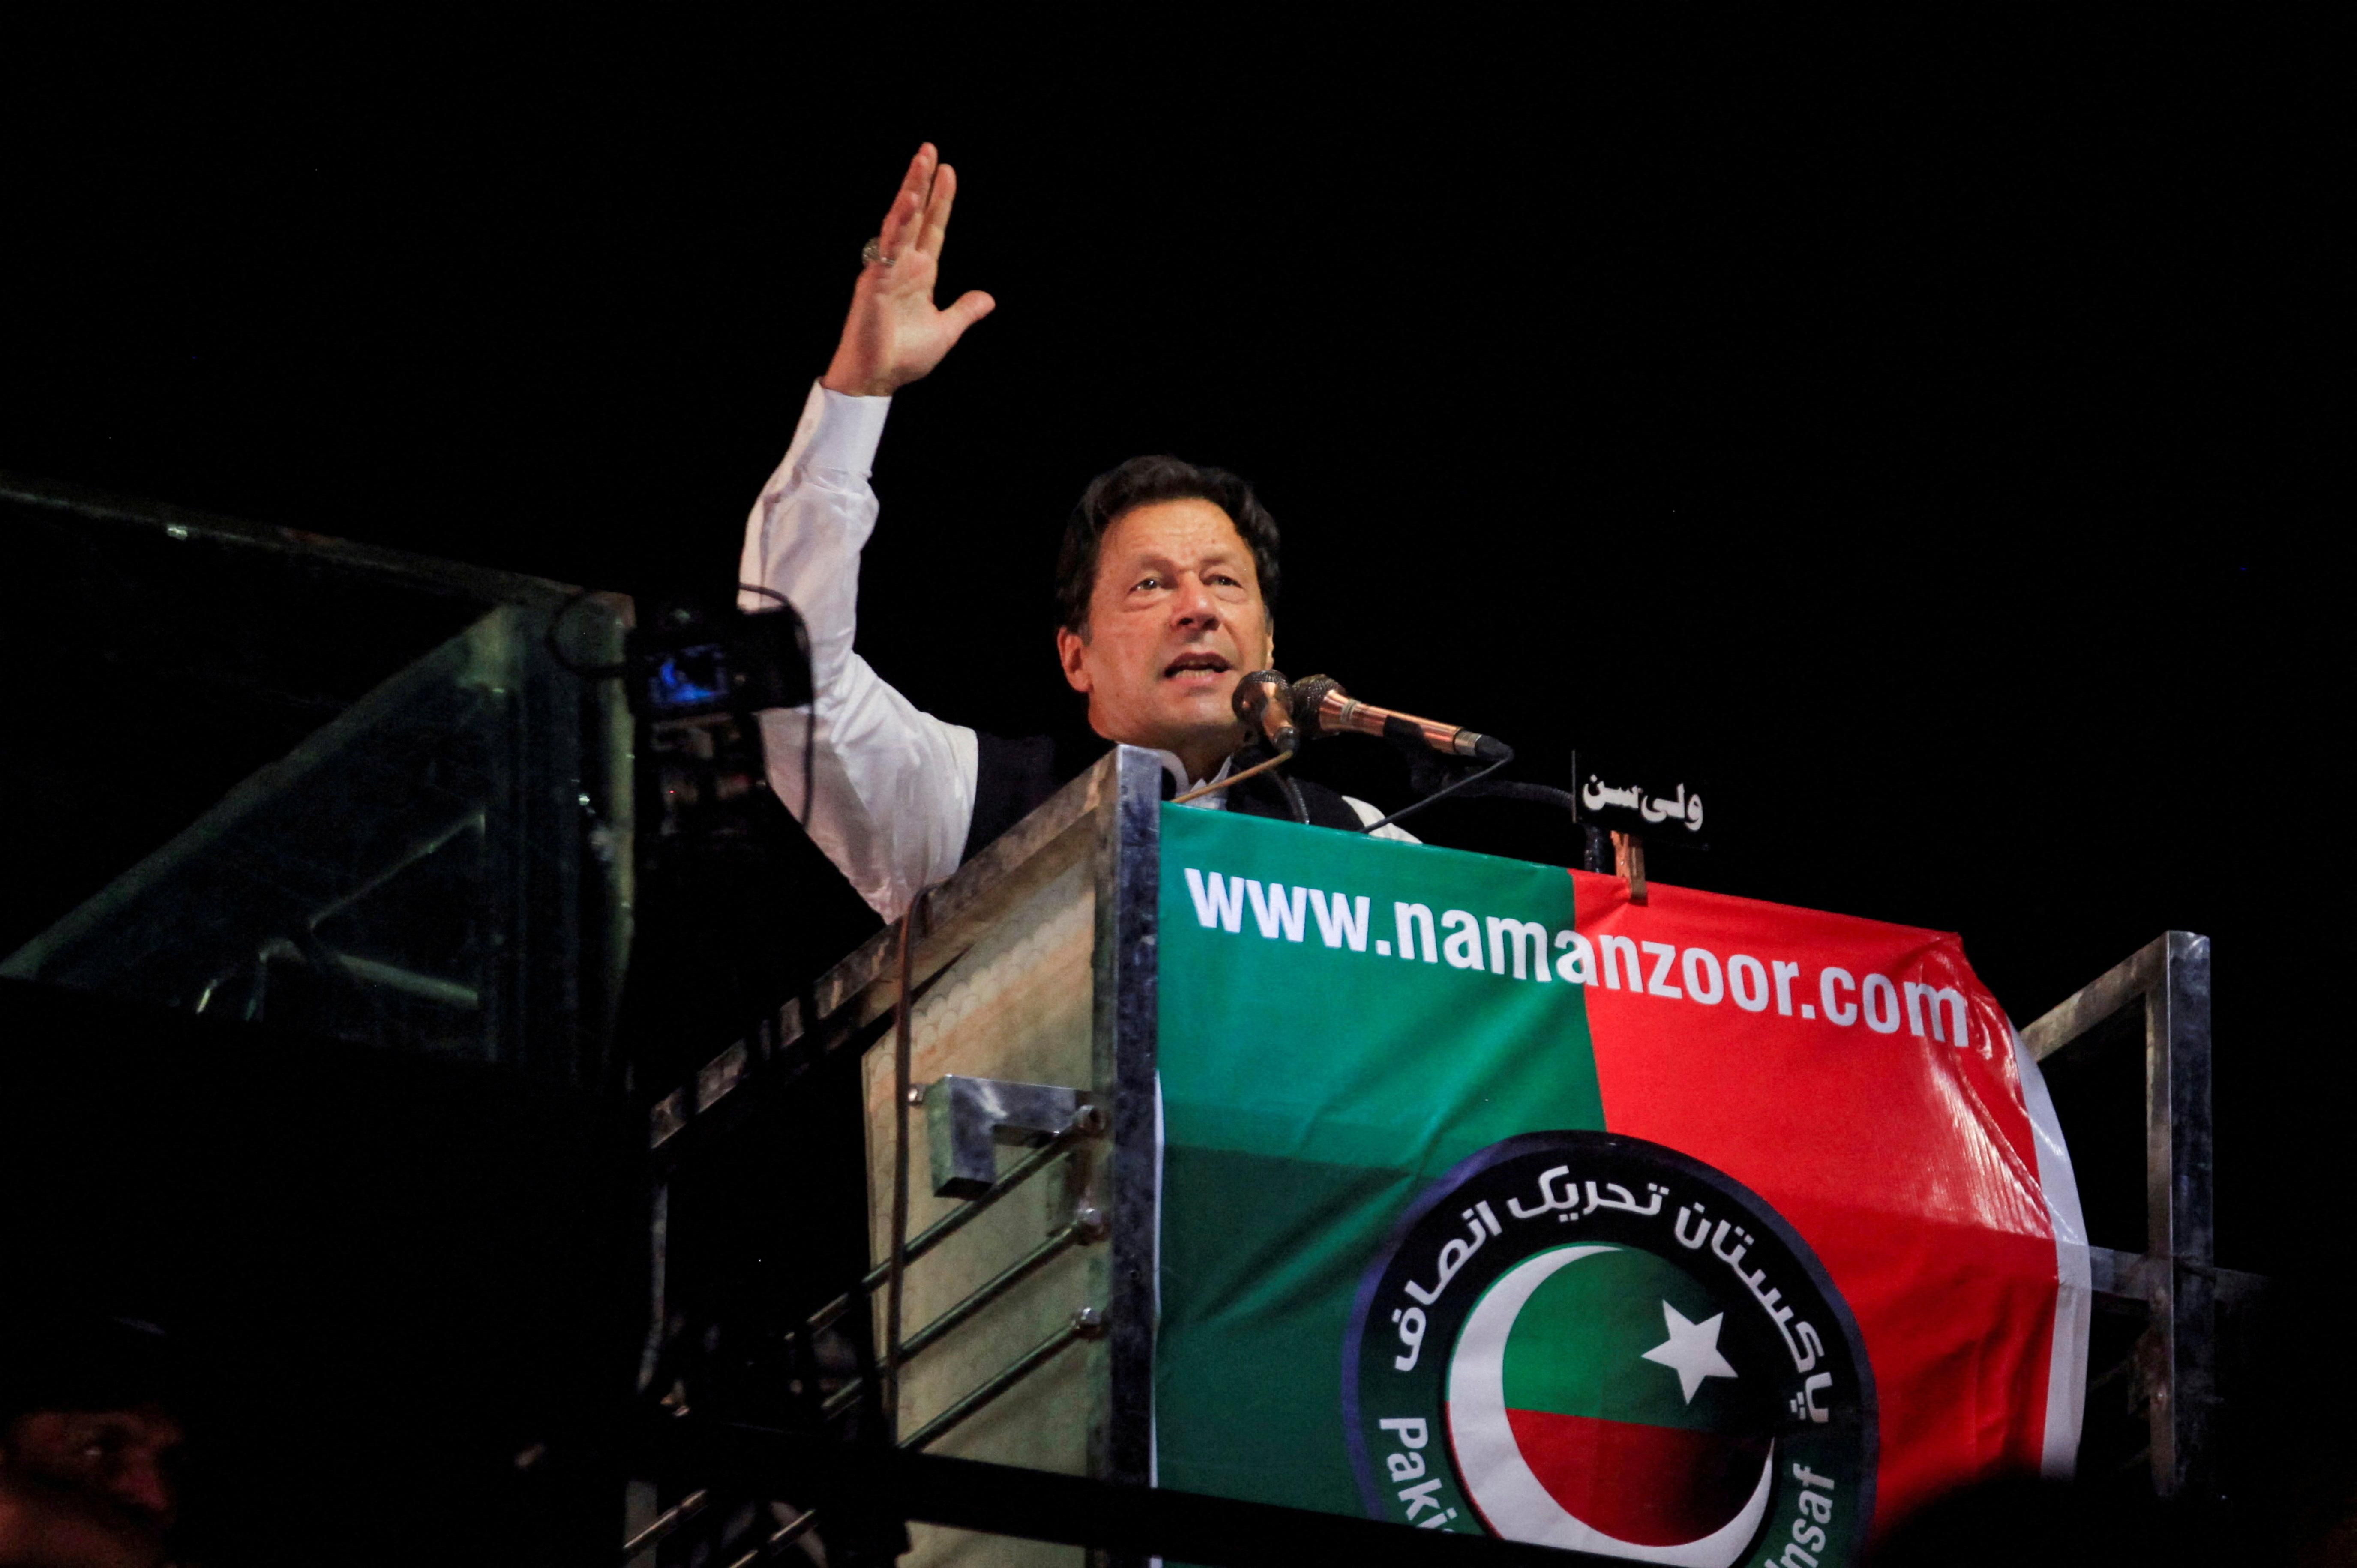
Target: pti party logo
[(1583, 1340)]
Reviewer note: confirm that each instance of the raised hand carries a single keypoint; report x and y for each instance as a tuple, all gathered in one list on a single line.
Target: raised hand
[(894, 335)]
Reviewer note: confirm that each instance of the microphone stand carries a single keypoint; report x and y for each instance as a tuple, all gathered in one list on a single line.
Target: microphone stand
[(1463, 782), (1429, 774), (1293, 799), (1258, 757), (1263, 760)]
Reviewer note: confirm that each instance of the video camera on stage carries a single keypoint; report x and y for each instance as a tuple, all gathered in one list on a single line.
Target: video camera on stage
[(698, 674), (700, 659)]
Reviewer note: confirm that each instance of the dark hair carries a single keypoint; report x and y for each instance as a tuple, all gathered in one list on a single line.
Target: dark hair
[(1137, 483)]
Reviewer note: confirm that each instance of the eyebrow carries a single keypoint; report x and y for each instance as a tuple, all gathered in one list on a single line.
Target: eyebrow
[(1222, 556)]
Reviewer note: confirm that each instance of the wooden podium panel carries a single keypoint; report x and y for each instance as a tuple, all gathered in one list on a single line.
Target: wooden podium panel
[(1015, 1007), (1027, 1330), (1024, 981)]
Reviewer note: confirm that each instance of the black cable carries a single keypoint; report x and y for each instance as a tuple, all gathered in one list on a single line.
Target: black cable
[(810, 763), (1448, 788), (1293, 796), (1255, 758), (1425, 771), (810, 714), (1535, 794)]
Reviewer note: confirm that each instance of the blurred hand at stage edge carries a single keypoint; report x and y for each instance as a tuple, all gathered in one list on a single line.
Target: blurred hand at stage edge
[(894, 335)]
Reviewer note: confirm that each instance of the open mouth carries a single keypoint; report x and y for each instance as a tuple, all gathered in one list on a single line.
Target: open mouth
[(1195, 664)]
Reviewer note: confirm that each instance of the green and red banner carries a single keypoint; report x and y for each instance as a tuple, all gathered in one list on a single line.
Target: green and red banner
[(1699, 1231)]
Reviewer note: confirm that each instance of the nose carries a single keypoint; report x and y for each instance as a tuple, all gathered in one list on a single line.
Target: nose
[(138, 1480), (1193, 606), (140, 1475)]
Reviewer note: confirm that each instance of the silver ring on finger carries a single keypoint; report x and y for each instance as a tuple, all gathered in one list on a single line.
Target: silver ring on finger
[(872, 253)]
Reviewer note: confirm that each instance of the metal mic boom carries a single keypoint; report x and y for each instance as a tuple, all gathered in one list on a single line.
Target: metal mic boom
[(1320, 706)]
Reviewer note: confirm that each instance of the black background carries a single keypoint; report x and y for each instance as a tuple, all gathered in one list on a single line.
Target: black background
[(1928, 432)]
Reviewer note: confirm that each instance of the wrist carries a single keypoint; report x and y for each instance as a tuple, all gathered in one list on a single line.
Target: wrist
[(855, 380)]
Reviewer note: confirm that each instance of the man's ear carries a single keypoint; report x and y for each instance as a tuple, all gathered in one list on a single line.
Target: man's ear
[(1070, 645)]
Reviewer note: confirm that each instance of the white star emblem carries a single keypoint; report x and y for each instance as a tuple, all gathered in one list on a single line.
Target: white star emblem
[(1691, 1351)]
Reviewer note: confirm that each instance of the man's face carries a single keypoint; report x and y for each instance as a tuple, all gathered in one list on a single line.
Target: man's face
[(1175, 620), (88, 1488)]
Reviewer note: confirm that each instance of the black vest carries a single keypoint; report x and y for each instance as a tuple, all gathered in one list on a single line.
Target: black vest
[(1013, 777)]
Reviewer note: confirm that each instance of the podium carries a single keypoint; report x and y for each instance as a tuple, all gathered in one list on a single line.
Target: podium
[(1269, 1163), (1028, 1295)]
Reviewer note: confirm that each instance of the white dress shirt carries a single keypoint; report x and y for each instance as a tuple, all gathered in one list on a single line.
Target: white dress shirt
[(894, 786)]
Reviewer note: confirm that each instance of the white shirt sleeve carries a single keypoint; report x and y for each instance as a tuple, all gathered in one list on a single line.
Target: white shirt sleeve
[(892, 787)]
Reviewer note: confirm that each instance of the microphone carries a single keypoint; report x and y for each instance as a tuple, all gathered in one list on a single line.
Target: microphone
[(1262, 700), (1321, 707)]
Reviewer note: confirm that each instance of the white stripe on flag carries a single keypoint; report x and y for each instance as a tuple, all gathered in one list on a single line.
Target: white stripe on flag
[(2066, 1373)]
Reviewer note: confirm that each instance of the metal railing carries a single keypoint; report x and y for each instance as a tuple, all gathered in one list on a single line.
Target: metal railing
[(2176, 1282)]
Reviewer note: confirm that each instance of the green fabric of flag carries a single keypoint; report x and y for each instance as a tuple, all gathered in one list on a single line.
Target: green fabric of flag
[(1309, 1094)]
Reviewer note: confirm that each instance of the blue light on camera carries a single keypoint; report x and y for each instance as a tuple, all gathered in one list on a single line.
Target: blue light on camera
[(689, 678)]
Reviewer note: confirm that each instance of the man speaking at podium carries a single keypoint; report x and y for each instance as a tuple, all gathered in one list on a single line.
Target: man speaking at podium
[(1165, 585)]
